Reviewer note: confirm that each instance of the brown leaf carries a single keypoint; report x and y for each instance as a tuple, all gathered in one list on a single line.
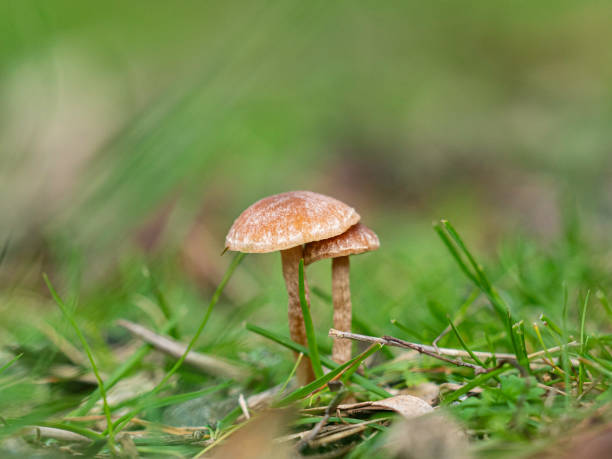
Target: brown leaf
[(406, 405)]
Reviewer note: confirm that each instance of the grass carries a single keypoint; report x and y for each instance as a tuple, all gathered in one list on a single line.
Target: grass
[(94, 367), (313, 351), (190, 116), (517, 406)]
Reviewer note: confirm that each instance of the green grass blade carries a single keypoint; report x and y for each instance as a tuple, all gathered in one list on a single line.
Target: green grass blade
[(10, 362), (455, 254), (319, 382), (598, 365), (229, 418), (477, 381), (117, 375), (162, 302), (185, 397), (310, 334), (583, 342), (603, 300), (465, 346), (321, 294), (403, 327), (283, 341), (368, 447), (291, 373), (92, 361), (4, 250), (476, 266), (519, 332), (551, 324), (364, 355), (123, 420), (583, 320)]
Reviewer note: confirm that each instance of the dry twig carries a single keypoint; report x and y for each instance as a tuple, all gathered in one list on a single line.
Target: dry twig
[(207, 363), (56, 434), (438, 353), (333, 405)]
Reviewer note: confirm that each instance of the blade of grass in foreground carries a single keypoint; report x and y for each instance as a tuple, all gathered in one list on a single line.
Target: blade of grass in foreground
[(477, 381), (452, 240), (319, 382), (583, 342), (162, 302), (94, 367), (463, 345), (9, 363), (358, 379), (117, 375), (518, 339), (123, 420), (291, 373), (603, 299), (181, 398), (310, 334)]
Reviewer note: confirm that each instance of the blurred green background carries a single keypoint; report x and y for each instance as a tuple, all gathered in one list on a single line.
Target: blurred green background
[(133, 133)]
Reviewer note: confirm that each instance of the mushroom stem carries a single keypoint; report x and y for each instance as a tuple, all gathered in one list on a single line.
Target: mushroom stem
[(341, 294), (291, 264)]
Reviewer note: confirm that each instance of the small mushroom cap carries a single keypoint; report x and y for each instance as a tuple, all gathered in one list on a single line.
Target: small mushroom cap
[(358, 239), (287, 220)]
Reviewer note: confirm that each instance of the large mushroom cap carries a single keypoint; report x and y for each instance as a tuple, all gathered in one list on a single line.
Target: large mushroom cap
[(287, 220), (358, 239)]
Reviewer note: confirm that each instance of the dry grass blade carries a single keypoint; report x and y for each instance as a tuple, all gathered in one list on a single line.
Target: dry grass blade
[(56, 434), (243, 406), (338, 434), (69, 350), (333, 405), (329, 431), (206, 363)]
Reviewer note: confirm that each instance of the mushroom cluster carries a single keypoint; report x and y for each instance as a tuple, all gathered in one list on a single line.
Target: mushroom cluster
[(312, 226)]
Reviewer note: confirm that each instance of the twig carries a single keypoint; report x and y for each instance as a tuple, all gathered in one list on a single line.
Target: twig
[(207, 363), (319, 425), (538, 355), (56, 434), (551, 389), (429, 350), (391, 341), (243, 406), (339, 434), (439, 337)]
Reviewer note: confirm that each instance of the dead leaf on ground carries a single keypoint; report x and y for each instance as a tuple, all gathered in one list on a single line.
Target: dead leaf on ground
[(428, 391), (406, 405)]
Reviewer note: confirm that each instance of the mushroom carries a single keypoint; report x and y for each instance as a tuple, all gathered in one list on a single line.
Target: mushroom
[(284, 222), (358, 239)]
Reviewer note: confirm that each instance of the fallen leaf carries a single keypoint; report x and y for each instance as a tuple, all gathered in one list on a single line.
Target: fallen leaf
[(428, 391), (406, 405)]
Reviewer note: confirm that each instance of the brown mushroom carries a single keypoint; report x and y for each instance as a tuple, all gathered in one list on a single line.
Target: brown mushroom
[(284, 222), (358, 239)]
